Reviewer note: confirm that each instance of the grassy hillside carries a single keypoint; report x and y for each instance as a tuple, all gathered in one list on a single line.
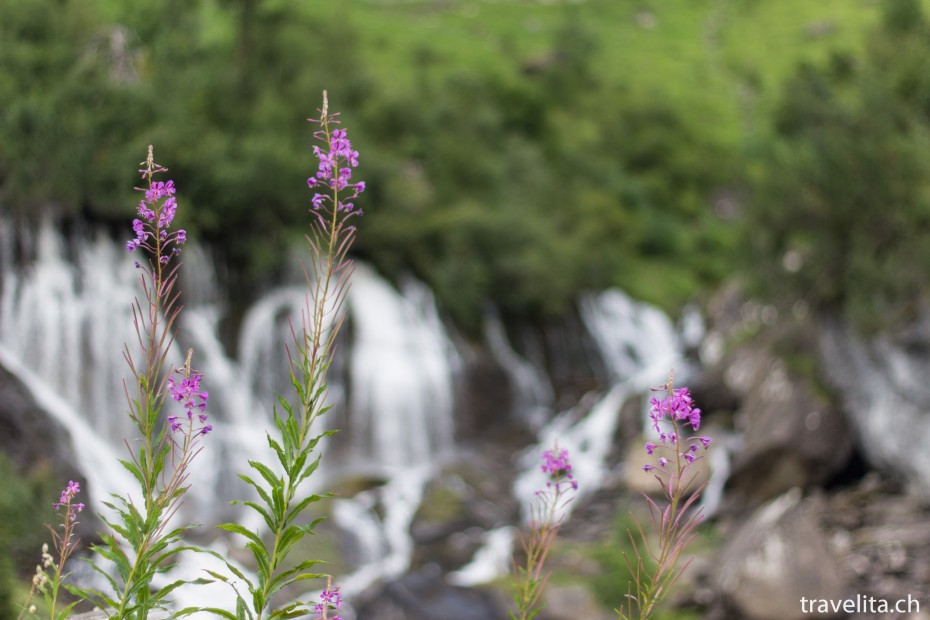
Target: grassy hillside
[(515, 151), (722, 58)]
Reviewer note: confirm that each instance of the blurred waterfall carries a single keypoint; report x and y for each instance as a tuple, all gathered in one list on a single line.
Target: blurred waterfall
[(639, 345), (65, 314)]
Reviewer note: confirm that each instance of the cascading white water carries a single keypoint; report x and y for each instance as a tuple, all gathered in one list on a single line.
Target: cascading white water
[(534, 396), (639, 345), (63, 325), (64, 317), (68, 322), (401, 373)]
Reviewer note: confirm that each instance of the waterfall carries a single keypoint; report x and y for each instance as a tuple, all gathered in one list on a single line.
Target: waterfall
[(534, 396), (401, 373), (65, 314), (639, 345)]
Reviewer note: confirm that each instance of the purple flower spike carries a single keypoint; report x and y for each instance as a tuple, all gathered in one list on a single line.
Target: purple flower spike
[(334, 171), (156, 212), (559, 470), (187, 392), (66, 499), (330, 599)]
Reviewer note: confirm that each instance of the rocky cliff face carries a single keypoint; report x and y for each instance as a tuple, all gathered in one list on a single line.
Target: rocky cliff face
[(800, 413), (883, 383)]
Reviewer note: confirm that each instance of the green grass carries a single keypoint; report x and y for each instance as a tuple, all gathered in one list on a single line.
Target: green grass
[(725, 59)]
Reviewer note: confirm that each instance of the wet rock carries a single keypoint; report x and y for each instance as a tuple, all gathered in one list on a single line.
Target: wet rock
[(28, 435), (424, 595), (883, 383), (792, 435), (570, 602), (463, 502), (881, 537), (764, 369), (776, 557), (101, 615)]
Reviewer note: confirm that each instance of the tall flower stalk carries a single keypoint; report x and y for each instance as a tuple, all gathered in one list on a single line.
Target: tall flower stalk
[(545, 520), (140, 544), (280, 504), (655, 567), (50, 574)]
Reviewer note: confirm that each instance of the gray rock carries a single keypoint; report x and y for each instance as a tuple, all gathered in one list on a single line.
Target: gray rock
[(793, 436), (570, 602), (100, 615), (884, 385), (776, 557), (424, 595), (28, 435), (763, 367)]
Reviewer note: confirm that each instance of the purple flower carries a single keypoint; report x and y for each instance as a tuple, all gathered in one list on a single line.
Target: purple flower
[(157, 211), (557, 466), (329, 599), (67, 496), (334, 170), (188, 392), (677, 406), (145, 212)]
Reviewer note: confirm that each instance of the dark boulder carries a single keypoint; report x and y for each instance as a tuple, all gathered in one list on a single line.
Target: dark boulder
[(424, 595)]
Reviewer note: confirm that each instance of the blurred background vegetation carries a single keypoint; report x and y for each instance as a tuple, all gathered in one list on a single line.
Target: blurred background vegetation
[(516, 152)]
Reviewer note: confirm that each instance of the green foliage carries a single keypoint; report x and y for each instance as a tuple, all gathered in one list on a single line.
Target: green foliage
[(8, 603), (840, 208), (296, 439), (24, 502), (518, 153)]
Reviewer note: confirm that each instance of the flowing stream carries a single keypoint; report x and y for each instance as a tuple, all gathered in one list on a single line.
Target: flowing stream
[(65, 314)]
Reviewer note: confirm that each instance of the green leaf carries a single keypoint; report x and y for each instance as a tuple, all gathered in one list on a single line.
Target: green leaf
[(215, 611), (300, 507), (266, 473), (260, 490), (238, 529), (269, 520)]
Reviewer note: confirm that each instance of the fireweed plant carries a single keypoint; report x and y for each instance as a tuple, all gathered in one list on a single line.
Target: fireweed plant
[(545, 520), (674, 521), (294, 444), (50, 574), (140, 543)]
